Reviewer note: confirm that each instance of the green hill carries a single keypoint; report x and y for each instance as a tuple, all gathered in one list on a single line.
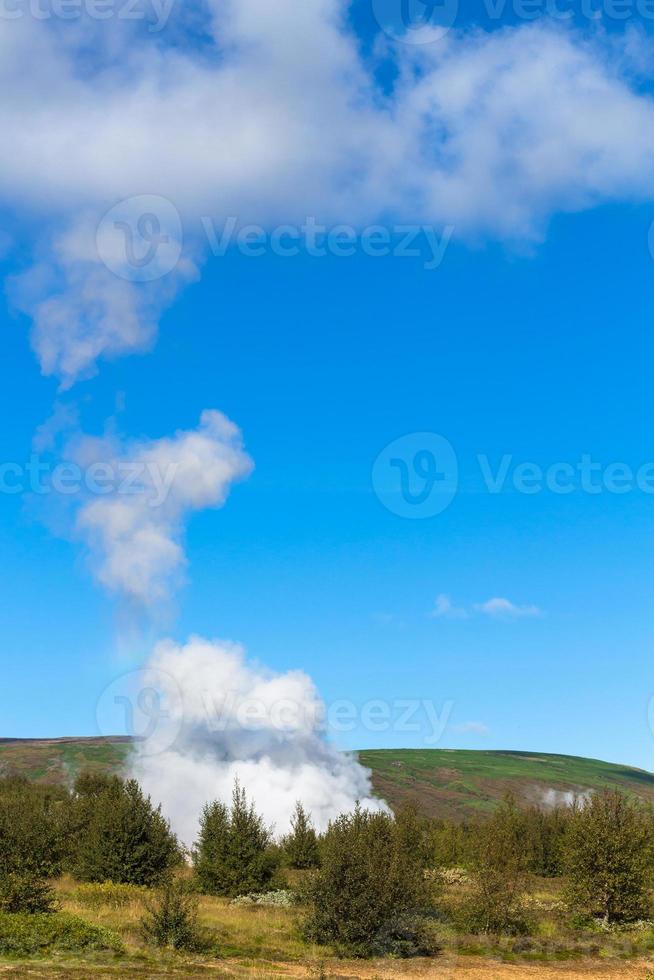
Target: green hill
[(458, 783), (453, 783)]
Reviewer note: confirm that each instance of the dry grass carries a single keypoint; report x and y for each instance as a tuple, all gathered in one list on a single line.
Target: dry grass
[(265, 942)]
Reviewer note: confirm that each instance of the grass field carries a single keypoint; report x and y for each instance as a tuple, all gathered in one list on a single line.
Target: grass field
[(261, 941), (452, 783)]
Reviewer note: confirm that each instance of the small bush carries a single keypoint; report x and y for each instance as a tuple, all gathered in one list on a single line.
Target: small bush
[(108, 894), (280, 898), (26, 893), (406, 935), (171, 921), (451, 876), (29, 935)]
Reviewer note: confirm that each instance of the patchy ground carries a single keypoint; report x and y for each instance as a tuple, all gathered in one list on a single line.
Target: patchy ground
[(465, 969)]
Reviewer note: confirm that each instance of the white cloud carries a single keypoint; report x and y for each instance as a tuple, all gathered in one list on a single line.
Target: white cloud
[(134, 529), (443, 607), (472, 728), (499, 608), (496, 608), (232, 718), (278, 118)]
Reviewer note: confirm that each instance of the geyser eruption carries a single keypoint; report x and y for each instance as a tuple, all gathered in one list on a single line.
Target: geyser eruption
[(219, 716)]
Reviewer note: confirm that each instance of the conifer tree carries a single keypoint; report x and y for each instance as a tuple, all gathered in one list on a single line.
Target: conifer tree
[(301, 845), (122, 837), (234, 853)]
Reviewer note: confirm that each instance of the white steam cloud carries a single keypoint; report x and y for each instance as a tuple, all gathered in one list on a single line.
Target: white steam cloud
[(279, 116), (219, 717), (82, 311), (134, 527)]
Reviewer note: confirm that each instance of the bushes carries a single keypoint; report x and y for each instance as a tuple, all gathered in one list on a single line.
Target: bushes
[(370, 892), (120, 835), (234, 853), (32, 828), (608, 855), (26, 893), (499, 879), (171, 921), (28, 935)]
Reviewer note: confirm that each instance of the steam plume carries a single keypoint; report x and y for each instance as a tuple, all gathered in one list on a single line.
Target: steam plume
[(220, 716)]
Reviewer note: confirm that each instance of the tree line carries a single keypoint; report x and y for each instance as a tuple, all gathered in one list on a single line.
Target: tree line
[(372, 883)]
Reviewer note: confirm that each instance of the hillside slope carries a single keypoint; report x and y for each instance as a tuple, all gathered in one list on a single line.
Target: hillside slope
[(452, 783), (459, 784)]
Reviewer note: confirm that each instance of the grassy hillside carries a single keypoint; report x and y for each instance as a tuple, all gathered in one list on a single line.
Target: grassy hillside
[(458, 783), (452, 783)]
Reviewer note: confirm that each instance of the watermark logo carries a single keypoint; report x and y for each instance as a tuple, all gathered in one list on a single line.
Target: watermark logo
[(155, 13), (415, 21), (143, 704), (417, 475), (140, 239), (312, 238)]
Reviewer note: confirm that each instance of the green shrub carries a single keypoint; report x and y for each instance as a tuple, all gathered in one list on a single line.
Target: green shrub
[(406, 935), (301, 845), (370, 893), (495, 903), (608, 858), (234, 853), (108, 894), (171, 921), (32, 829), (26, 893), (282, 898), (121, 837), (29, 935)]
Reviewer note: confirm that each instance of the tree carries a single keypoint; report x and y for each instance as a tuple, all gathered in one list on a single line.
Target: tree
[(544, 835), (301, 845), (32, 828), (370, 894), (233, 854), (122, 837), (607, 858), (495, 903)]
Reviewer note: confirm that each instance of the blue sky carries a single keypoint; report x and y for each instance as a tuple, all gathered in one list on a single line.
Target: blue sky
[(532, 340)]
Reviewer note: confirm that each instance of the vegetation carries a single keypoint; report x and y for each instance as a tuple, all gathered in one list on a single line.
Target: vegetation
[(171, 920), (26, 893), (301, 845), (608, 858), (33, 836), (523, 884), (119, 835), (370, 893), (495, 903), (234, 853), (448, 784), (27, 935)]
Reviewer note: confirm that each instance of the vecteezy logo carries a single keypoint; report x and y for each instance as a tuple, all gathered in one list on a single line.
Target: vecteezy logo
[(140, 239), (415, 21), (416, 476), (145, 705)]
